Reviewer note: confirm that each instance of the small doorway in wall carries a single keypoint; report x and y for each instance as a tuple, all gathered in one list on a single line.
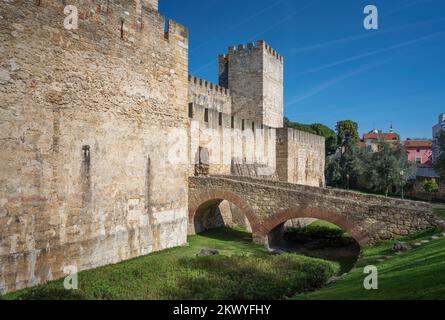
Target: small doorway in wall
[(202, 162)]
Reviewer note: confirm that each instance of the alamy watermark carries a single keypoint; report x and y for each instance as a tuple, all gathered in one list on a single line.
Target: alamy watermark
[(371, 21), (371, 281), (71, 281)]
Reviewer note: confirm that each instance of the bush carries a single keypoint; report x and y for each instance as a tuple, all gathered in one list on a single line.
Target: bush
[(250, 278)]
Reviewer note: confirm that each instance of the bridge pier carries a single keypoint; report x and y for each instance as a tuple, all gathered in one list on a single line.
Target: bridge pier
[(274, 238)]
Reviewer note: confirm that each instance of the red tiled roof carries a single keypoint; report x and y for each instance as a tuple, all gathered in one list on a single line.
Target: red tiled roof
[(418, 143), (384, 136)]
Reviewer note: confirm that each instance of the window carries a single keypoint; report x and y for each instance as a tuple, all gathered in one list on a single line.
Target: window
[(253, 126), (220, 116), (242, 125), (206, 115), (190, 110), (418, 160), (232, 122)]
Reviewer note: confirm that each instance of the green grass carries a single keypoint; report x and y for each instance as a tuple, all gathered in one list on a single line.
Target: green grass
[(417, 274), (246, 271), (324, 224), (440, 213), (241, 271)]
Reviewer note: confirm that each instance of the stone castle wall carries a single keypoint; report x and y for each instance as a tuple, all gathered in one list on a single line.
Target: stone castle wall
[(254, 75), (229, 141), (86, 119), (273, 87), (101, 127), (206, 94), (300, 157)]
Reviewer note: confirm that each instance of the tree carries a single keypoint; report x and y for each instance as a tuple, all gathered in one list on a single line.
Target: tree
[(388, 168), (347, 131), (330, 136), (439, 164), (430, 186), (345, 169)]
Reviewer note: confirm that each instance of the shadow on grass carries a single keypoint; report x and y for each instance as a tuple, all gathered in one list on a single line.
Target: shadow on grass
[(50, 293), (227, 234), (248, 278)]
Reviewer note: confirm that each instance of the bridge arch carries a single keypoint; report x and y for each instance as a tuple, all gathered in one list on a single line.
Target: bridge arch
[(213, 198), (275, 220)]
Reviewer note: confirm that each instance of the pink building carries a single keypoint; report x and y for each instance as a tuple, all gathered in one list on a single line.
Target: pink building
[(419, 151)]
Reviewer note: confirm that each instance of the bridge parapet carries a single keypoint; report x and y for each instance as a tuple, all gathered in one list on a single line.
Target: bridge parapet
[(333, 192), (267, 204)]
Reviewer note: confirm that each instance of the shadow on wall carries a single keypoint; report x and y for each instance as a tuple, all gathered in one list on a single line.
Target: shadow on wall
[(220, 214)]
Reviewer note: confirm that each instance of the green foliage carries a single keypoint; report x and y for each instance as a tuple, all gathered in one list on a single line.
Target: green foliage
[(243, 270), (415, 275), (319, 129), (345, 169), (347, 131), (430, 185), (311, 232), (380, 171), (439, 164), (388, 168), (440, 213)]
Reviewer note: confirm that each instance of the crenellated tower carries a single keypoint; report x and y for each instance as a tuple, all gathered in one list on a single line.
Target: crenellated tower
[(254, 74)]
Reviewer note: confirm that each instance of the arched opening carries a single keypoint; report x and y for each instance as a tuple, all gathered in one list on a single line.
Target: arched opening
[(217, 212), (316, 234)]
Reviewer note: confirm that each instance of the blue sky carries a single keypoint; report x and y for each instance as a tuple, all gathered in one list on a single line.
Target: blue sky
[(334, 68)]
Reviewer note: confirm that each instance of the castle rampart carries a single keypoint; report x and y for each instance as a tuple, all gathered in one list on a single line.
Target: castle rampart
[(86, 117), (209, 95), (228, 140), (101, 126), (300, 157), (254, 75)]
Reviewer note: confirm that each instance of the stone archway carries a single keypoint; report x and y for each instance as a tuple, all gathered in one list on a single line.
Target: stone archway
[(279, 218), (211, 199)]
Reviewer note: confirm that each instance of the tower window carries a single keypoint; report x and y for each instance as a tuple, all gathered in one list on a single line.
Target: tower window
[(206, 115), (242, 125), (232, 120), (190, 110), (220, 116)]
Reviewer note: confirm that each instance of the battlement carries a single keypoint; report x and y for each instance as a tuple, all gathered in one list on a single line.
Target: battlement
[(213, 119), (206, 85), (252, 46), (153, 4), (300, 137), (131, 21)]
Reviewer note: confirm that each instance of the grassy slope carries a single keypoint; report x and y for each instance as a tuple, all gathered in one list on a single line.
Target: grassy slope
[(418, 274), (179, 274), (440, 213)]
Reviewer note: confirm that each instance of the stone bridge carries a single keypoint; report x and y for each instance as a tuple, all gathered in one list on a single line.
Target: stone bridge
[(269, 204)]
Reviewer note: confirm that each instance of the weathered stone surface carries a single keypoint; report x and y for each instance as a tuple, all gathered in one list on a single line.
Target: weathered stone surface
[(269, 204), (300, 157), (207, 252), (254, 74), (332, 280), (401, 246), (85, 120)]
